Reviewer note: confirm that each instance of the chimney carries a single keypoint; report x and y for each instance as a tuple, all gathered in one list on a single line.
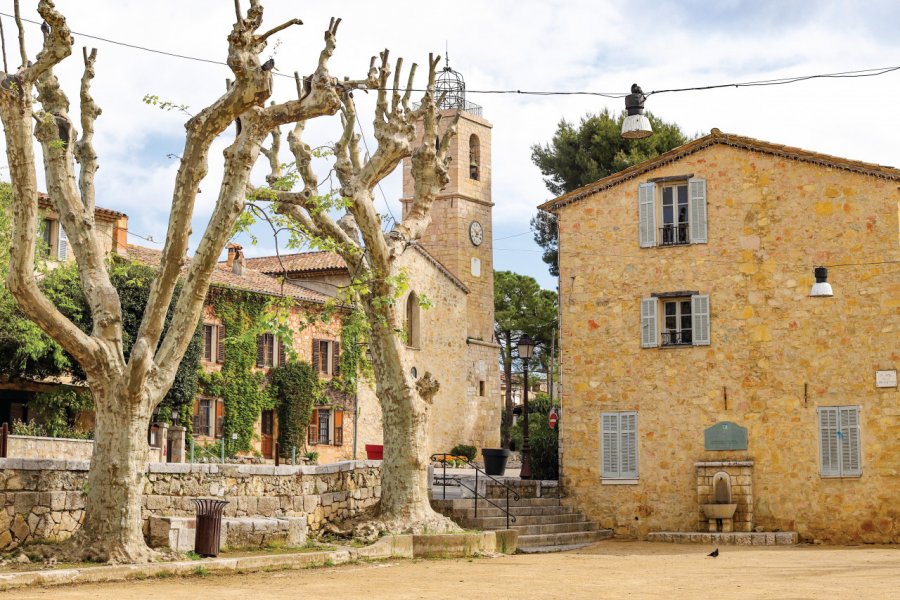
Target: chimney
[(235, 258)]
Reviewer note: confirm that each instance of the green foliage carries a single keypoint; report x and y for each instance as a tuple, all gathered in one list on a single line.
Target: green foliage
[(55, 413), (581, 155), (240, 387), (354, 334), (311, 457), (542, 441), (464, 450), (296, 388), (166, 105)]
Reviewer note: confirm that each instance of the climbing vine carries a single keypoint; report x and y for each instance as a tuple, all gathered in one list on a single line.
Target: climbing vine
[(354, 335), (296, 388)]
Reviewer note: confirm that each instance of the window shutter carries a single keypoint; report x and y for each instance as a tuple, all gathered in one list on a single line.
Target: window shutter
[(609, 436), (828, 441), (647, 214), (313, 436), (282, 358), (700, 319), (336, 354), (220, 418), (649, 329), (220, 347), (697, 207), (315, 355), (62, 242), (207, 342), (260, 351), (849, 441), (628, 445), (338, 428)]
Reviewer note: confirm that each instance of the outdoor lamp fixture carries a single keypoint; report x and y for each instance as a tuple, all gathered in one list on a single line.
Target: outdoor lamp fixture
[(821, 288), (636, 125), (526, 350), (174, 416)]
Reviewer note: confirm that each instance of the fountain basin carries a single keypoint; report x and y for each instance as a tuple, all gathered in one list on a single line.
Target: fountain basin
[(718, 511)]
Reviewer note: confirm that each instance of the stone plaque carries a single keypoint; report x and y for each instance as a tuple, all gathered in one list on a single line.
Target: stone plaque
[(725, 436), (885, 379)]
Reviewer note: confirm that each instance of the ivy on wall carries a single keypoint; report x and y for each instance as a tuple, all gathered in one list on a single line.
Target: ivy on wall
[(296, 388), (354, 333)]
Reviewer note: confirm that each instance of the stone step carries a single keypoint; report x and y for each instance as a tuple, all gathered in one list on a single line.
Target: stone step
[(563, 539), (547, 549), (549, 528), (525, 511), (457, 503), (500, 522)]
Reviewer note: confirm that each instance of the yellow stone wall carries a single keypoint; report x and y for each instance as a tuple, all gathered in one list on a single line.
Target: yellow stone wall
[(775, 353)]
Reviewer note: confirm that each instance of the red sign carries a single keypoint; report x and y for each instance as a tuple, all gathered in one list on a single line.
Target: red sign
[(553, 418)]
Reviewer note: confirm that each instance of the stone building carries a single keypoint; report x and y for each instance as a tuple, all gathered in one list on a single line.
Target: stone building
[(698, 369)]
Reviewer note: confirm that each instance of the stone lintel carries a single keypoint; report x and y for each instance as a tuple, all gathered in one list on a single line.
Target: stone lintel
[(724, 463)]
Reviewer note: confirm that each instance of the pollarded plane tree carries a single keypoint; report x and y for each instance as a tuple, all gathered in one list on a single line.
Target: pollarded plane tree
[(374, 256), (126, 391)]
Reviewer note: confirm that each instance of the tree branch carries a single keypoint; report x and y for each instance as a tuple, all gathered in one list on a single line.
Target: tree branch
[(84, 148), (284, 25), (22, 53)]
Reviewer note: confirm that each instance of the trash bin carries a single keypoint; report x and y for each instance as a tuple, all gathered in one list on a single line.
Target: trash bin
[(209, 526)]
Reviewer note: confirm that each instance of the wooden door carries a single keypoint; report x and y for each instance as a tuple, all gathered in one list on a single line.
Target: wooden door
[(268, 430)]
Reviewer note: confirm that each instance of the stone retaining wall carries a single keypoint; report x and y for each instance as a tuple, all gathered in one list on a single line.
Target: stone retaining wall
[(44, 499), (24, 446)]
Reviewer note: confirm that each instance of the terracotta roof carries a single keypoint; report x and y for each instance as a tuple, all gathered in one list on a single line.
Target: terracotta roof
[(297, 263), (223, 277), (718, 137), (44, 202)]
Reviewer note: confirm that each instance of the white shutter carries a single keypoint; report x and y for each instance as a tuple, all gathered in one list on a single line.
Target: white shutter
[(700, 320), (647, 214), (628, 445), (828, 441), (849, 441), (609, 440), (62, 242), (697, 208), (649, 330)]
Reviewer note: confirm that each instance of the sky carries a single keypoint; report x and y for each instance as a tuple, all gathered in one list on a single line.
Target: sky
[(599, 46)]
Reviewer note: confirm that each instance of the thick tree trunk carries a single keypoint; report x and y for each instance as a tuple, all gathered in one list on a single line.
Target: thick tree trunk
[(112, 530)]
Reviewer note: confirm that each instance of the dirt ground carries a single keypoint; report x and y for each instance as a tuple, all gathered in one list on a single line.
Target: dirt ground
[(610, 569)]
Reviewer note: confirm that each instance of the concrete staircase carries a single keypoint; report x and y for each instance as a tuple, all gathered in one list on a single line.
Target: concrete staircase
[(541, 520)]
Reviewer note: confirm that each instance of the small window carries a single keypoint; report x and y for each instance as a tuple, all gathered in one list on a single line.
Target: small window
[(481, 388), (474, 157), (47, 236), (673, 213), (265, 350), (411, 322), (839, 447), (208, 340), (326, 357), (62, 243), (203, 418), (618, 445), (684, 321)]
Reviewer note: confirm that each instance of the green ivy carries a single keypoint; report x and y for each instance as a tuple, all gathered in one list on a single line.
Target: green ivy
[(354, 334), (296, 388)]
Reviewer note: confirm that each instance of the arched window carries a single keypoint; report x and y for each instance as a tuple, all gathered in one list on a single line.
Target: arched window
[(474, 157), (411, 324)]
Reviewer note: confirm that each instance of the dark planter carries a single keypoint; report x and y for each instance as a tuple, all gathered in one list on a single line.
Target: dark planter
[(495, 460), (375, 451)]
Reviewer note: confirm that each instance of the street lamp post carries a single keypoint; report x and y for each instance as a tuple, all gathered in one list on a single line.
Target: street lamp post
[(526, 349)]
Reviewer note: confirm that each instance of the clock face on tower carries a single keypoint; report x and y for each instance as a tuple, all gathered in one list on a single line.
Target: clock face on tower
[(476, 233)]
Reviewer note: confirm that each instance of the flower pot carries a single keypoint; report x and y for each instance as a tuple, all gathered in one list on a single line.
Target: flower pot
[(375, 451), (495, 460)]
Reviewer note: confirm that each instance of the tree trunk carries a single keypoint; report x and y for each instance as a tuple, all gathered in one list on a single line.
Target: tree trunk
[(405, 505), (112, 530)]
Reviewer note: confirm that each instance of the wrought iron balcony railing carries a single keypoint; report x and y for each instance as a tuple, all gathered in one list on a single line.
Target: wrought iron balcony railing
[(677, 338), (674, 235)]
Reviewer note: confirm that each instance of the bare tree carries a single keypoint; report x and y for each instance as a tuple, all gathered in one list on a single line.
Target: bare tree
[(374, 256), (126, 392)]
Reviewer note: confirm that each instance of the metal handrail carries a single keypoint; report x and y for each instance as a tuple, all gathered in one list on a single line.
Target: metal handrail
[(443, 457)]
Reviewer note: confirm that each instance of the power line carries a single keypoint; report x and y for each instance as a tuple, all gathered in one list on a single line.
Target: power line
[(853, 74)]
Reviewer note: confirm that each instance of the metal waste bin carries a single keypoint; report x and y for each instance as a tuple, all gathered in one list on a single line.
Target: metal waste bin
[(209, 526)]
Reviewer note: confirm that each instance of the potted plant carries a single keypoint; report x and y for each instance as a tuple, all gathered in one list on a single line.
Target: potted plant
[(495, 460)]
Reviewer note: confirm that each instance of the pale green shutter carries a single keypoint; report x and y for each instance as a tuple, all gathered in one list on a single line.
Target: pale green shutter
[(849, 441), (628, 445), (647, 214), (62, 242), (828, 441), (649, 329), (609, 442), (700, 320), (697, 207)]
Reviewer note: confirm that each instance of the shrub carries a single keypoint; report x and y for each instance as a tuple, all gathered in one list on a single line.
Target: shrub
[(464, 450), (296, 388), (543, 442)]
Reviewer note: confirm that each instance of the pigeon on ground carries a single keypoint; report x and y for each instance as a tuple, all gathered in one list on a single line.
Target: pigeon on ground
[(714, 553)]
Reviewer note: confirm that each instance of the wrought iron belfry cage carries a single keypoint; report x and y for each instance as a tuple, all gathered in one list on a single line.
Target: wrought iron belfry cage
[(450, 90)]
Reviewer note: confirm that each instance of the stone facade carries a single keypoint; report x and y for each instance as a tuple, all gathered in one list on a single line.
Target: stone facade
[(22, 446), (44, 499), (775, 355)]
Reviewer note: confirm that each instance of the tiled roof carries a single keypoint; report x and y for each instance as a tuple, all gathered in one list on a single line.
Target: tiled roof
[(44, 202), (297, 263), (249, 279), (718, 137)]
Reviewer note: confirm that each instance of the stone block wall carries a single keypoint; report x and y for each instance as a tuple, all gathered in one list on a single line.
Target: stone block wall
[(44, 499), (741, 474), (23, 446)]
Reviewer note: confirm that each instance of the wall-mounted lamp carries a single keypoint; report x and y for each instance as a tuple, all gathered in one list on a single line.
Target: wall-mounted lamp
[(636, 125), (821, 288)]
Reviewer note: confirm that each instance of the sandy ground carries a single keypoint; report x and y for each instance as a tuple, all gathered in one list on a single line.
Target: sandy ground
[(610, 569)]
